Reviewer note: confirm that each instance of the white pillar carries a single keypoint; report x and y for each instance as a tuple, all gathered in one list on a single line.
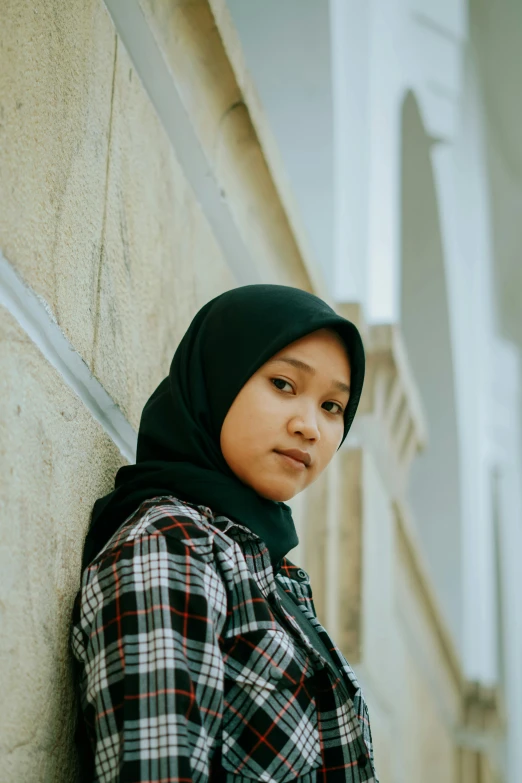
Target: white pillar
[(288, 52), (461, 180), (350, 37), (386, 94), (509, 520)]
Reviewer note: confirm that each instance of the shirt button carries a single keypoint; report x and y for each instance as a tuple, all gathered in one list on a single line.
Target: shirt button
[(275, 673), (362, 760), (301, 574)]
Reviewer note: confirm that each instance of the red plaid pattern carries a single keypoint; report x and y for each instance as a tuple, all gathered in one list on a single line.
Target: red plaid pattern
[(191, 670)]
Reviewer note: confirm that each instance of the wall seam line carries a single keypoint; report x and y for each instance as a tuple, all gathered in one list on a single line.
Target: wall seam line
[(149, 64), (36, 318), (105, 201)]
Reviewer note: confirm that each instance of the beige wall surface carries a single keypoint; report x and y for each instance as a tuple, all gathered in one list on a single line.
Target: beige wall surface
[(96, 212), (98, 219), (55, 460)]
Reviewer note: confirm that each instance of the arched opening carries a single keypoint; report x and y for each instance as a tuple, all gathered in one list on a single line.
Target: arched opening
[(434, 488)]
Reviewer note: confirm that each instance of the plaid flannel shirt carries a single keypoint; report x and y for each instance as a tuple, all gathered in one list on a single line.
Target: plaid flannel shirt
[(191, 670)]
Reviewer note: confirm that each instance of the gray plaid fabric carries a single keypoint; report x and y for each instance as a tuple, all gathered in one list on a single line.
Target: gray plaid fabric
[(191, 670)]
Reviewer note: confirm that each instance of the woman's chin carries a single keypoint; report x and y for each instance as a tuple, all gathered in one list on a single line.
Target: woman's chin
[(279, 494)]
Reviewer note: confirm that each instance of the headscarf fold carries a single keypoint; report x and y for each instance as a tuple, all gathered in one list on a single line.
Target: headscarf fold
[(178, 450)]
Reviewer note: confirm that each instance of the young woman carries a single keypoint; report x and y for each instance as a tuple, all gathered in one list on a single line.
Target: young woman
[(200, 655)]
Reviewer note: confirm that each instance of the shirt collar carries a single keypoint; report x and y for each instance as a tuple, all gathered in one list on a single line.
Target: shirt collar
[(255, 550)]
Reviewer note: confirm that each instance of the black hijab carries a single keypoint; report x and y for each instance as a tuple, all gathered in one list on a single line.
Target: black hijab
[(178, 451)]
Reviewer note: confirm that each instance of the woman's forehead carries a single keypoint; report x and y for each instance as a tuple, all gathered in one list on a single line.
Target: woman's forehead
[(318, 339)]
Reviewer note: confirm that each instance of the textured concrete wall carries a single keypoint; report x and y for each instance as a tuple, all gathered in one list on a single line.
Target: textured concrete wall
[(54, 461), (98, 219), (96, 213)]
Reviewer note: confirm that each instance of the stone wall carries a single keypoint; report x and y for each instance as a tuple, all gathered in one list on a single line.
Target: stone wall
[(98, 220)]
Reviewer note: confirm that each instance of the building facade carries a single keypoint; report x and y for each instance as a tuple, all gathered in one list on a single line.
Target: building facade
[(154, 154)]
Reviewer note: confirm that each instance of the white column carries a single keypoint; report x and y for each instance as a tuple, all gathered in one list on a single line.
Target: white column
[(461, 181), (288, 52), (386, 94), (350, 37), (509, 510)]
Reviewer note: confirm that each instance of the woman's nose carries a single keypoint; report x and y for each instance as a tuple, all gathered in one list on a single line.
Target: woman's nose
[(306, 425)]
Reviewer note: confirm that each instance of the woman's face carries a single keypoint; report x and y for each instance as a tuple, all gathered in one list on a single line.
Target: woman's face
[(294, 401)]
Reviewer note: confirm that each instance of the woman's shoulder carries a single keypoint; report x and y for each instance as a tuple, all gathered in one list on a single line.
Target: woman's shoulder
[(187, 524)]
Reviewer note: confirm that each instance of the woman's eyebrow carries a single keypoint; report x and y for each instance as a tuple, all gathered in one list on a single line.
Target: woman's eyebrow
[(310, 370)]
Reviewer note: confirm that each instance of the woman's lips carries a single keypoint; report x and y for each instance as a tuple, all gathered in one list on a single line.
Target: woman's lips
[(296, 464)]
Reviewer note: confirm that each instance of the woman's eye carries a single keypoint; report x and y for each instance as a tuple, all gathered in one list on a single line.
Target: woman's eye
[(279, 380), (338, 412)]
